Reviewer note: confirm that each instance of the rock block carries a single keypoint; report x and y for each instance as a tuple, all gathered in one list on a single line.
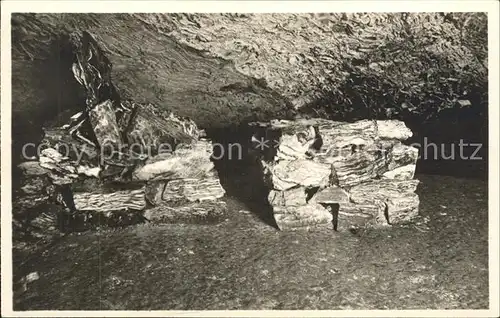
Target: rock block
[(184, 190), (359, 172), (291, 197), (288, 174), (357, 168), (331, 195), (133, 200), (148, 127), (189, 162), (352, 216), (305, 217), (396, 196)]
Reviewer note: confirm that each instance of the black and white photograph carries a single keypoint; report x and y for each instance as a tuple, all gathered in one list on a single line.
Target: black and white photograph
[(228, 160)]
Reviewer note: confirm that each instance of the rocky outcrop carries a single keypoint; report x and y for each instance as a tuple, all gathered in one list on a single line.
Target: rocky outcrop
[(132, 84), (225, 69), (338, 175), (148, 66), (116, 158)]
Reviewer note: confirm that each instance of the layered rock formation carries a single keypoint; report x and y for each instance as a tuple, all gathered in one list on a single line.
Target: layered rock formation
[(183, 185), (226, 68), (326, 174), (105, 164), (148, 67), (145, 161)]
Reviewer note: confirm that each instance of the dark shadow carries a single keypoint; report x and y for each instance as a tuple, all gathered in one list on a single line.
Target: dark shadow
[(240, 170), (310, 192), (335, 212), (386, 214), (446, 130), (440, 142), (44, 93)]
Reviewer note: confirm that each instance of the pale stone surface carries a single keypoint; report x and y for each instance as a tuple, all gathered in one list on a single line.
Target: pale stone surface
[(398, 196), (337, 136), (378, 189), (288, 174), (193, 162), (402, 155), (393, 129), (162, 192), (203, 190), (32, 168), (89, 171), (291, 148), (115, 201), (350, 213), (308, 217), (61, 169), (157, 130), (331, 195), (351, 220), (291, 197), (402, 209), (102, 117), (358, 168), (401, 173)]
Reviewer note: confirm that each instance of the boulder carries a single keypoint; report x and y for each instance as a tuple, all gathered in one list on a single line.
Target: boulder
[(304, 217), (396, 197), (184, 190), (358, 173)]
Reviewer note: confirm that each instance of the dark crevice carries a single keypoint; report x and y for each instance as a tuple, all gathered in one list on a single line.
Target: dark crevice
[(386, 213), (310, 192), (263, 142), (333, 208), (240, 171)]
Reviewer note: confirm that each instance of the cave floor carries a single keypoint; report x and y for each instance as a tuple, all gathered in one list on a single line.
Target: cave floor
[(242, 263)]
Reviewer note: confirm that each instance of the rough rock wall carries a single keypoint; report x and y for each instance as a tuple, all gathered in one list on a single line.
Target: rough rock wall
[(326, 174), (148, 66), (223, 69), (307, 56)]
